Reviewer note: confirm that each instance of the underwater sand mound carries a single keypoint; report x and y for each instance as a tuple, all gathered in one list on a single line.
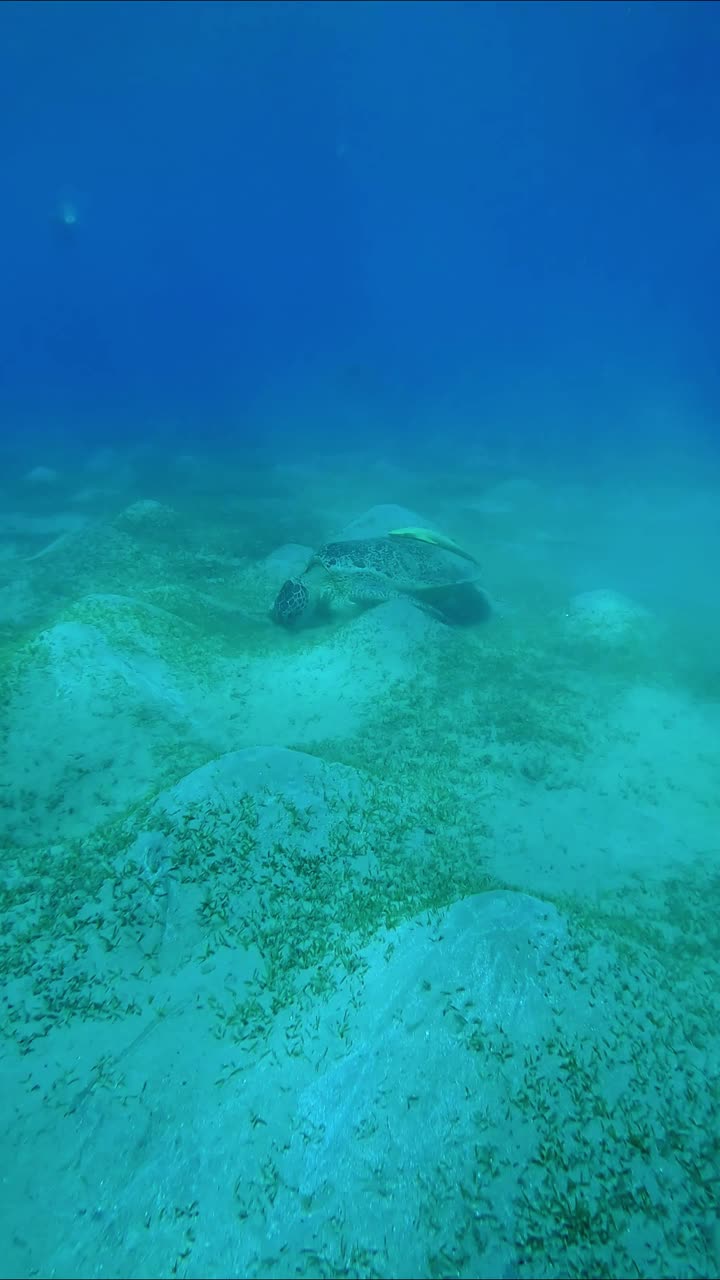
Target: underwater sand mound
[(84, 716), (348, 1112), (607, 616)]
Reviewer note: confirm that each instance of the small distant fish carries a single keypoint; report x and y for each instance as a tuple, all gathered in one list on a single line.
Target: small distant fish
[(67, 213), (66, 219)]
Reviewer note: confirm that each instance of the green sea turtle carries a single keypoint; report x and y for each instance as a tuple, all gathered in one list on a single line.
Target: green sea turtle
[(418, 563)]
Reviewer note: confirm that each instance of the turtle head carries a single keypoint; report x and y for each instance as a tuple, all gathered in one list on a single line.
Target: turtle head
[(291, 603)]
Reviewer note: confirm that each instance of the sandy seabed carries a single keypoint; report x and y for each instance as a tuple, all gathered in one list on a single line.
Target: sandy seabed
[(377, 947)]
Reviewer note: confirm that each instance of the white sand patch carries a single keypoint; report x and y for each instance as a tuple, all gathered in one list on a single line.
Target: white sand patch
[(146, 515), (290, 559), (636, 809), (324, 690), (81, 725), (606, 615)]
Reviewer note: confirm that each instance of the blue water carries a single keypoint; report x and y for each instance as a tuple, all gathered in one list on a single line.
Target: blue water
[(382, 942), (504, 204)]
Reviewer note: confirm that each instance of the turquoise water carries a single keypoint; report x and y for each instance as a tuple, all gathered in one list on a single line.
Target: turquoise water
[(384, 942)]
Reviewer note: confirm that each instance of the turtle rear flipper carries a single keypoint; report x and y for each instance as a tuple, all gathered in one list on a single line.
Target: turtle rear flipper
[(461, 603)]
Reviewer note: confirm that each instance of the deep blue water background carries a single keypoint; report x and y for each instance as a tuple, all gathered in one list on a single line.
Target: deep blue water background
[(317, 214)]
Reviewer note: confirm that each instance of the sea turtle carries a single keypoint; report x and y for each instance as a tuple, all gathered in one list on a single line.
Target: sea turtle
[(419, 563)]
